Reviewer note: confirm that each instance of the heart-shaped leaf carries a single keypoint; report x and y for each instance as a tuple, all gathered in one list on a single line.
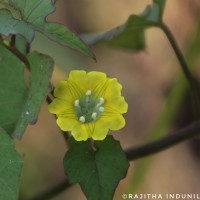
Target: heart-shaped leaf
[(97, 168)]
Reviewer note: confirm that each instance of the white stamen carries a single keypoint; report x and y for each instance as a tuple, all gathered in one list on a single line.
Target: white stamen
[(82, 119), (101, 100), (76, 103), (101, 109), (94, 115), (88, 93)]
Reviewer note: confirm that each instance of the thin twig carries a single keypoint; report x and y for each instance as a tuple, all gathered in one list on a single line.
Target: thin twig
[(49, 97), (18, 54), (192, 81), (166, 142), (148, 149), (178, 53), (53, 191)]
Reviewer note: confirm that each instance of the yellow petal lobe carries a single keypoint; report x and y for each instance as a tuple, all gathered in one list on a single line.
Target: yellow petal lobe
[(89, 105)]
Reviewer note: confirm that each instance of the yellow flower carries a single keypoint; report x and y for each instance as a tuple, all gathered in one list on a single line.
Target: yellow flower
[(88, 105)]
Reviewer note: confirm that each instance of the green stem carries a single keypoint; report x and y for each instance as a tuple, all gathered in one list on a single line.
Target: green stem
[(191, 131), (53, 191), (192, 81), (18, 54), (178, 53)]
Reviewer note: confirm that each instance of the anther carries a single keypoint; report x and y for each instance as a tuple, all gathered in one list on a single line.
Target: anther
[(94, 115), (101, 100), (82, 119), (76, 103), (101, 109), (88, 93)]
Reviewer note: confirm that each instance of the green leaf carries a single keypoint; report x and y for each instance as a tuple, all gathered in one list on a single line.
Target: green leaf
[(12, 91), (20, 105), (151, 14), (131, 34), (98, 169), (41, 67), (161, 4), (10, 25), (127, 36), (65, 37), (10, 170), (35, 13)]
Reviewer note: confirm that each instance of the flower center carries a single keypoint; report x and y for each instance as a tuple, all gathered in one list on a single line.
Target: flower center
[(88, 108)]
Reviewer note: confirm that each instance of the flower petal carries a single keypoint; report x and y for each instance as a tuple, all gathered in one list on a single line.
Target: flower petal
[(113, 121), (102, 126), (81, 132), (88, 81), (62, 91), (77, 76), (78, 79), (118, 122), (113, 89), (96, 80), (116, 105), (66, 124), (100, 132), (61, 107)]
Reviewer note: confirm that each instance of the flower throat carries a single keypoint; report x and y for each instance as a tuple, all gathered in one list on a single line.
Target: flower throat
[(88, 108)]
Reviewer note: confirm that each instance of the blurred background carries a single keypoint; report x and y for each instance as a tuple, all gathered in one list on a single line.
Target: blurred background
[(152, 85)]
